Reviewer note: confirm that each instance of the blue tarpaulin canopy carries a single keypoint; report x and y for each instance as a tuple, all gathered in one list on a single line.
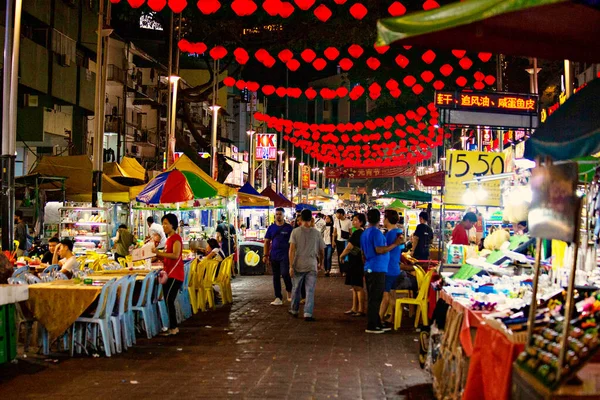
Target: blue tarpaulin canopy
[(302, 206)]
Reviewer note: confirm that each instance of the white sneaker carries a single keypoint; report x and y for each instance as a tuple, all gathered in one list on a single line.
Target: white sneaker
[(277, 302)]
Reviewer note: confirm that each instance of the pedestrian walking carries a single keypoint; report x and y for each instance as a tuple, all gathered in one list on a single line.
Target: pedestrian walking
[(421, 239), (307, 250), (277, 250), (377, 258), (341, 232), (393, 275), (328, 239), (355, 268)]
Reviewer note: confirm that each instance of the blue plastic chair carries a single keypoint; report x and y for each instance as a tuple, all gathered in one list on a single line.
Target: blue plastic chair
[(160, 303), (59, 276), (51, 268), (183, 304), (31, 279), (19, 271), (129, 312), (100, 319), (119, 318), (143, 307)]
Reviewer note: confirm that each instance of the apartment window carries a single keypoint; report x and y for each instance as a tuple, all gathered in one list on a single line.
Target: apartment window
[(327, 106), (20, 162), (64, 47)]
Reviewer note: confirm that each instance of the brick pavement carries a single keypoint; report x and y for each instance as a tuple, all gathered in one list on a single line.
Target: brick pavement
[(249, 350)]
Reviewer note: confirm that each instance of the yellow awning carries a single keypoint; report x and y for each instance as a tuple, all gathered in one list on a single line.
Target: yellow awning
[(185, 164), (250, 200), (449, 207), (128, 169)]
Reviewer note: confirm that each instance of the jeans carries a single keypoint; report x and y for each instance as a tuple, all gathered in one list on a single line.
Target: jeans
[(375, 289), (340, 245), (170, 291), (328, 256), (309, 280), (281, 269)]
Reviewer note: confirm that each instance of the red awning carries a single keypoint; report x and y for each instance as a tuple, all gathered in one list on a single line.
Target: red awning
[(277, 200), (435, 179)]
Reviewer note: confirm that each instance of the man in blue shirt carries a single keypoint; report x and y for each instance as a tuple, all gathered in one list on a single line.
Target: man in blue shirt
[(392, 276), (376, 253), (277, 247)]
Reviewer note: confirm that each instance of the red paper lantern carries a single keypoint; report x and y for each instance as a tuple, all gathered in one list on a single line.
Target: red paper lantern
[(358, 11), (485, 57), (281, 91), (427, 76), (229, 81), (243, 7), (478, 86), (461, 81), (341, 92), (331, 53), (396, 9), (438, 85), (375, 87), (261, 55), (286, 9), (184, 46), (285, 55), (268, 90), (355, 50), (391, 84), (310, 93), (410, 114), (271, 7), (241, 85), (490, 80), (198, 48), (395, 93), (319, 64), (381, 49), (430, 5), (177, 6), (135, 3), (428, 57), (387, 135), (218, 52), (409, 80), (479, 76), (339, 2), (422, 111), (241, 56), (356, 92), (252, 86), (115, 1), (157, 5), (322, 13), (465, 63), (401, 60), (345, 64), (293, 65), (446, 69), (304, 4), (417, 89), (207, 7), (459, 53), (373, 63), (308, 55)]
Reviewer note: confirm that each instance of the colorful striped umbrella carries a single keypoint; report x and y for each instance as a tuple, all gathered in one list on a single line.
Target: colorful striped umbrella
[(175, 186)]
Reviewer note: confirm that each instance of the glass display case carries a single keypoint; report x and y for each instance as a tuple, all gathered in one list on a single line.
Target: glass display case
[(88, 227)]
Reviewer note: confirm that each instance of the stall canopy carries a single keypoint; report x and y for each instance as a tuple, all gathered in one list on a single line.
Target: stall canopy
[(447, 207), (246, 200), (550, 29), (175, 186), (397, 205), (572, 131), (184, 163), (319, 195), (278, 201), (78, 185), (128, 172), (411, 195), (433, 180), (248, 189), (302, 206)]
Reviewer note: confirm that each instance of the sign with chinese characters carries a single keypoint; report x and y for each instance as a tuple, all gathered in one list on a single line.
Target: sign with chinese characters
[(305, 177), (509, 103), (365, 173), (463, 166), (266, 146)]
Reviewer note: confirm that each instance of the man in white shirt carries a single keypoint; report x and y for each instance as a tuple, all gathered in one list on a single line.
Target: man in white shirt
[(154, 228), (341, 232), (320, 222), (63, 256)]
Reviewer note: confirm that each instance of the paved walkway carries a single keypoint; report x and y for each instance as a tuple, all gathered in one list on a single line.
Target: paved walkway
[(250, 350)]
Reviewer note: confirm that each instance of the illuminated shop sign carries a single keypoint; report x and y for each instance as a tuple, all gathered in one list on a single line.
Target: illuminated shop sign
[(491, 102)]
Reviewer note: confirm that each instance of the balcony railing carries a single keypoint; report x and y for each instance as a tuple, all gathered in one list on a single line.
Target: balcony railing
[(115, 74)]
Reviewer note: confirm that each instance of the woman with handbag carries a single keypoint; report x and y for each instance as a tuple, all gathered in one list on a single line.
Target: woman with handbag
[(355, 266), (173, 269)]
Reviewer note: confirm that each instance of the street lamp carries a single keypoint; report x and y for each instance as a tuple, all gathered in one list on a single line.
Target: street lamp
[(300, 183), (213, 142), (251, 133), (292, 159), (174, 80), (279, 170)]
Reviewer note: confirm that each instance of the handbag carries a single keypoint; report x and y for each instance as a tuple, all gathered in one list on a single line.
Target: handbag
[(162, 276), (345, 234)]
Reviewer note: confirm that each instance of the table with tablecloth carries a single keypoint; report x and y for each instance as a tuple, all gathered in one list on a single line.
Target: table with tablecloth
[(58, 304)]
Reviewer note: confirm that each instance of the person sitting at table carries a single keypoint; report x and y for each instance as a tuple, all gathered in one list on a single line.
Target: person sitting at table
[(47, 257), (173, 266), (63, 256), (213, 251), (124, 240)]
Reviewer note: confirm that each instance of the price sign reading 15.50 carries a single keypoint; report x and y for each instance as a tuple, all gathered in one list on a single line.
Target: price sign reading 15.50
[(464, 166)]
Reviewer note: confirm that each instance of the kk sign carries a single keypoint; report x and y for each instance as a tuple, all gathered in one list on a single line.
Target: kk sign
[(266, 146)]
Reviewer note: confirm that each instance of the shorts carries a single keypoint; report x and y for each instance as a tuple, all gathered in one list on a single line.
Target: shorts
[(391, 282)]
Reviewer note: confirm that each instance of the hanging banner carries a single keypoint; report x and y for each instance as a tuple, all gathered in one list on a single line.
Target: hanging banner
[(305, 177), (488, 101), (375, 172), (464, 166), (266, 146)]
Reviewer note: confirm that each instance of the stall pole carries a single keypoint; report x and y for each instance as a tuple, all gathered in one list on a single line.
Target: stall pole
[(169, 105), (568, 78), (533, 305), (568, 309), (98, 129)]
